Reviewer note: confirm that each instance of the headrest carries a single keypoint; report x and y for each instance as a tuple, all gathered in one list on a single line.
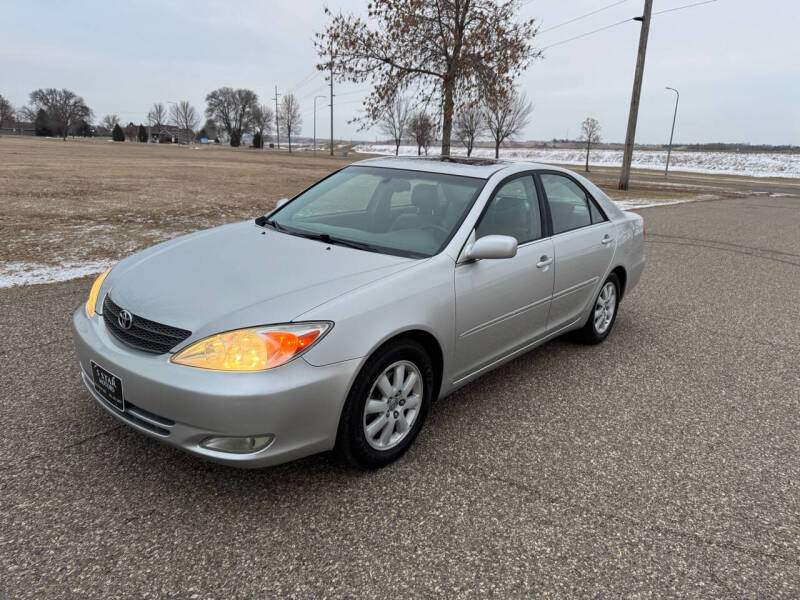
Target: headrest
[(425, 197)]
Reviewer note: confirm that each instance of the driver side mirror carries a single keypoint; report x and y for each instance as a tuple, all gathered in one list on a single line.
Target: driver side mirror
[(281, 202), (492, 246)]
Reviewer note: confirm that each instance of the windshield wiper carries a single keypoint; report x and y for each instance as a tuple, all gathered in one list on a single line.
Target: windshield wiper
[(322, 237), (261, 221), (328, 239)]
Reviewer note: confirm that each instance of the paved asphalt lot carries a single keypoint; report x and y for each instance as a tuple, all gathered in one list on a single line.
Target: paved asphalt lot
[(664, 462)]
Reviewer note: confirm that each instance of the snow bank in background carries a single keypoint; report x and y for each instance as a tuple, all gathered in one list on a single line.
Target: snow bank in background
[(753, 164), (634, 203), (21, 273)]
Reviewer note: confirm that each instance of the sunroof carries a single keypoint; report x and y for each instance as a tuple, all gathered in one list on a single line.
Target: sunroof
[(463, 160)]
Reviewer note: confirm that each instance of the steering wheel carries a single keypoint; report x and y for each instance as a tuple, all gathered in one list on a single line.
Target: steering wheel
[(439, 228)]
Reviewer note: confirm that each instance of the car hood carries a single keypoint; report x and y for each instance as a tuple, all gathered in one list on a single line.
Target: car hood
[(240, 275)]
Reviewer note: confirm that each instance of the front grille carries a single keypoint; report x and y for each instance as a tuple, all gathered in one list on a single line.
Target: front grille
[(143, 334)]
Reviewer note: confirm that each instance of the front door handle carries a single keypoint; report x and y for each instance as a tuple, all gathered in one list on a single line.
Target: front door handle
[(544, 261), (607, 239)]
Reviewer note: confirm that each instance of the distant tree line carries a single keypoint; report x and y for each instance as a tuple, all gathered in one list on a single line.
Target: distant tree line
[(54, 112)]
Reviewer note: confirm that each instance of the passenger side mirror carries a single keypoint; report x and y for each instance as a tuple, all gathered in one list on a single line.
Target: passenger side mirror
[(281, 202), (492, 246)]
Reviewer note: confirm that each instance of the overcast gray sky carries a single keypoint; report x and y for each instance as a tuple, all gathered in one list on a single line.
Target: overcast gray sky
[(735, 62)]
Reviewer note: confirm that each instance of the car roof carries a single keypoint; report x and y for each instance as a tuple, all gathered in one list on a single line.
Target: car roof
[(482, 168)]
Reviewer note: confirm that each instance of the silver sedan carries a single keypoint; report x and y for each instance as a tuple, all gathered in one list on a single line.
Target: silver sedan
[(337, 319)]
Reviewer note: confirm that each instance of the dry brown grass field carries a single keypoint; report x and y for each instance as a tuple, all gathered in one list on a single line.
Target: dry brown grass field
[(81, 204), (92, 200)]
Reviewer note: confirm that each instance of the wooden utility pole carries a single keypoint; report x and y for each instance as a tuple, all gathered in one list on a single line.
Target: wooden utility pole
[(331, 78), (627, 156), (277, 127)]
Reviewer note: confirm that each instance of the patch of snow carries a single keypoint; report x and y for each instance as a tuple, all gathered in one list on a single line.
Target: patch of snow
[(634, 203), (783, 195), (753, 164), (22, 273)]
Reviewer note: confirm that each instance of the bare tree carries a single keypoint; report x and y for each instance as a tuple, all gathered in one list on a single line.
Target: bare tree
[(436, 45), (232, 110), (109, 121), (157, 117), (290, 118), (64, 109), (394, 120), (185, 117), (469, 124), (590, 133), (6, 110), (423, 129), (506, 116), (19, 117), (263, 116)]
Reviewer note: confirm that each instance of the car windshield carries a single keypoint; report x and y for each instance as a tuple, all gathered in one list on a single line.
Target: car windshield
[(395, 211)]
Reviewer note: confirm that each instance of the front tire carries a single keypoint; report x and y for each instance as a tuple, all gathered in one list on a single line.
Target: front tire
[(604, 313), (386, 406)]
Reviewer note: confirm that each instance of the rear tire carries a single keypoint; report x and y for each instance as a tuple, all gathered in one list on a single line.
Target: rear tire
[(386, 406), (603, 314)]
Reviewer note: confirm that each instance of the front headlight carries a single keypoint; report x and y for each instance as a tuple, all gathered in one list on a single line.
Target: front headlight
[(91, 303), (254, 348)]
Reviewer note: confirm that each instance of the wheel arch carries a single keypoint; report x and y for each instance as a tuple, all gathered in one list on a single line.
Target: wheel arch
[(622, 275), (431, 345)]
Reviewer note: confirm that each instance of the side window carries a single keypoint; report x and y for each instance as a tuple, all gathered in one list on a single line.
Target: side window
[(513, 211), (597, 216), (569, 206)]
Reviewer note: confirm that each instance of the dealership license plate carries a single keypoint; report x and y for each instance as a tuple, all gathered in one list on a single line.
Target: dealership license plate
[(108, 385)]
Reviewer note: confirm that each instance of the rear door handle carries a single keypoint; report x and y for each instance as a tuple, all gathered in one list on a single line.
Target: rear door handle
[(544, 261), (607, 239)]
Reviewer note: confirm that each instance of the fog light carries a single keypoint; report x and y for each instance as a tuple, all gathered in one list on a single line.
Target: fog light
[(238, 445)]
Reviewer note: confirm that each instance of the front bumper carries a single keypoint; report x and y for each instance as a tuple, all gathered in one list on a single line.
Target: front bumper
[(297, 403)]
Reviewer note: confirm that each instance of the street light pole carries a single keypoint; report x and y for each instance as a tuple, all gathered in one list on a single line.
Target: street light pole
[(315, 122), (674, 116)]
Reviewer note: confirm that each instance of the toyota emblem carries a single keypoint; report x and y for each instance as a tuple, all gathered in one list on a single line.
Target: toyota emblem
[(125, 319)]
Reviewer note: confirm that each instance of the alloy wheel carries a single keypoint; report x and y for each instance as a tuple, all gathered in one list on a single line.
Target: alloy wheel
[(604, 307), (393, 405)]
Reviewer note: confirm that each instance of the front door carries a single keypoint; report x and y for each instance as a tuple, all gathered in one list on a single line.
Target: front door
[(502, 304)]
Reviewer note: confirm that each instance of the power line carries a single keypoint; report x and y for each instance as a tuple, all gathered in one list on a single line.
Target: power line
[(583, 35), (589, 14), (661, 12), (351, 92), (312, 92), (304, 81), (599, 29)]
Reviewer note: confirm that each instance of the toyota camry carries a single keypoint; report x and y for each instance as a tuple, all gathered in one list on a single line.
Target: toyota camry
[(336, 320)]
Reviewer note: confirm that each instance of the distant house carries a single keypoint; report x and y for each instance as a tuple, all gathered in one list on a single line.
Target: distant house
[(167, 134), (14, 127)]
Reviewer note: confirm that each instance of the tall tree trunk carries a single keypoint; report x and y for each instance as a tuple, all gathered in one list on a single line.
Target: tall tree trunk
[(587, 156), (397, 147), (447, 116), (497, 148)]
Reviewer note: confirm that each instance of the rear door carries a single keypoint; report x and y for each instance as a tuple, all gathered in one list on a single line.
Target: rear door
[(502, 304), (583, 245)]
